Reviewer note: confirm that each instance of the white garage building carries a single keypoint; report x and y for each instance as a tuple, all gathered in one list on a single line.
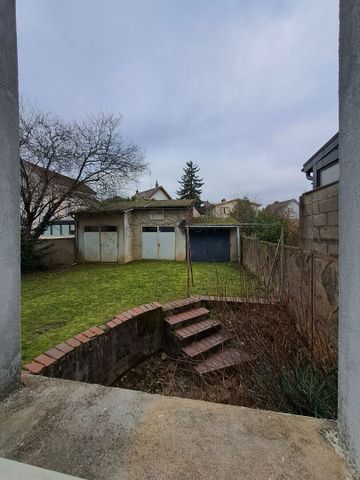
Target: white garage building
[(127, 230)]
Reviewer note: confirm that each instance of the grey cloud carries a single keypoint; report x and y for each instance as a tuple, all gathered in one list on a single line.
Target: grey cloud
[(247, 89)]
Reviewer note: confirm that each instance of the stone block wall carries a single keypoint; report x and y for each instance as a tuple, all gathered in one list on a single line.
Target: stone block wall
[(309, 288), (319, 220)]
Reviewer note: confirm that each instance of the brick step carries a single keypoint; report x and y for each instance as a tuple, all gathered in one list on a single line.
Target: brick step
[(206, 344), (181, 319), (179, 306), (226, 358), (190, 332)]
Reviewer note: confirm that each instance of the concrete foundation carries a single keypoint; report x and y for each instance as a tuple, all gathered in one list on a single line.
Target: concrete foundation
[(107, 433), (9, 203)]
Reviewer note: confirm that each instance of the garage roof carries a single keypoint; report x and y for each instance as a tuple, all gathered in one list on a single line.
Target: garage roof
[(210, 220), (113, 206)]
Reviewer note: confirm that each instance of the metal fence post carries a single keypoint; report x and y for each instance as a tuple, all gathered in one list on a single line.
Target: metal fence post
[(282, 261)]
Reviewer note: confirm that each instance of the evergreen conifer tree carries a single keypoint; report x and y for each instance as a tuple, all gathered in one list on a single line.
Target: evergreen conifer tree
[(190, 183)]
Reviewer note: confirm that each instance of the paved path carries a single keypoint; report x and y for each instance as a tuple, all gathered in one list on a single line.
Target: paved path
[(97, 432)]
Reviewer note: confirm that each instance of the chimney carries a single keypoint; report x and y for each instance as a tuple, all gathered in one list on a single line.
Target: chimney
[(223, 200), (156, 183)]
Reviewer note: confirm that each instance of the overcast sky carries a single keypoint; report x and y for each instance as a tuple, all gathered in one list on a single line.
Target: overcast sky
[(247, 89)]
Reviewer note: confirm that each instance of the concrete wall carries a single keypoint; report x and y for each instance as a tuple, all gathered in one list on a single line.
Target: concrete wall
[(10, 202), (129, 228), (96, 220), (62, 251), (310, 288), (319, 220), (349, 138)]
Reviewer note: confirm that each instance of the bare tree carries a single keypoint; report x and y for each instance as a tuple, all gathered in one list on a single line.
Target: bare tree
[(92, 152)]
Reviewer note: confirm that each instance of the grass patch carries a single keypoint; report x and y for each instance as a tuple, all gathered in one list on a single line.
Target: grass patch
[(57, 305)]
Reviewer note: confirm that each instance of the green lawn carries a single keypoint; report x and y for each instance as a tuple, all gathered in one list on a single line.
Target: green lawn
[(57, 305)]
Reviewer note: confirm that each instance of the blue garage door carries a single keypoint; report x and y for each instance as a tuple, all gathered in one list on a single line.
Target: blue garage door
[(210, 245)]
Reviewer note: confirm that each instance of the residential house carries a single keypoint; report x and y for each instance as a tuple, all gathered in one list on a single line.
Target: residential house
[(323, 167), (284, 209), (63, 223), (156, 193), (225, 208), (319, 208)]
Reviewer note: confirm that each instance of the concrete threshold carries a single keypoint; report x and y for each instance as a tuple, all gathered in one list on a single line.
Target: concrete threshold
[(96, 432)]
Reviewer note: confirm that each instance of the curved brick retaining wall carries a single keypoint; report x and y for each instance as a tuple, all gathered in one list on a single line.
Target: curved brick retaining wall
[(103, 353)]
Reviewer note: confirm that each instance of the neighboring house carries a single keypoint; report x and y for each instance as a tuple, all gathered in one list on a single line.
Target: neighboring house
[(127, 230), (63, 224), (156, 193), (323, 167), (159, 193), (284, 209), (319, 208), (225, 208)]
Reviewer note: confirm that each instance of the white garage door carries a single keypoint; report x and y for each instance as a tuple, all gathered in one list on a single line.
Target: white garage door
[(149, 243), (158, 243), (108, 244), (91, 244), (100, 243)]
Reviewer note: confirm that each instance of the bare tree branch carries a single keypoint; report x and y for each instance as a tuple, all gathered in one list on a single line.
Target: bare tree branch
[(92, 152)]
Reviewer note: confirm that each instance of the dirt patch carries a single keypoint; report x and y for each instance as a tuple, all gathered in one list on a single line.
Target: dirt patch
[(267, 333), (167, 376)]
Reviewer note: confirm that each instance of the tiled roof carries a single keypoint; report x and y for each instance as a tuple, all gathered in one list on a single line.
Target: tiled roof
[(237, 200), (57, 178), (209, 220), (279, 207), (113, 206), (149, 193)]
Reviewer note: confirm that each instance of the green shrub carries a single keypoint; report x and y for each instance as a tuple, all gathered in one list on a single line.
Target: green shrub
[(33, 255), (300, 388), (268, 227)]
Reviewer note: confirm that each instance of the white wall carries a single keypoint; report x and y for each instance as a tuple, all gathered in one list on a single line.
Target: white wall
[(159, 195), (9, 203), (349, 217)]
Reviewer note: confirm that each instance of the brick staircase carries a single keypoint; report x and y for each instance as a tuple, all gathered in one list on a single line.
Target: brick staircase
[(199, 338)]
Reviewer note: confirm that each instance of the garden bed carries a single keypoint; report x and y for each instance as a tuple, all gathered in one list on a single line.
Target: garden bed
[(282, 377)]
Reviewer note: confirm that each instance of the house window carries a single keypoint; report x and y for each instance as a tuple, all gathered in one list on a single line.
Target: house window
[(91, 228), (56, 230), (166, 229), (108, 228), (329, 175), (156, 214), (149, 229), (65, 229), (60, 228)]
